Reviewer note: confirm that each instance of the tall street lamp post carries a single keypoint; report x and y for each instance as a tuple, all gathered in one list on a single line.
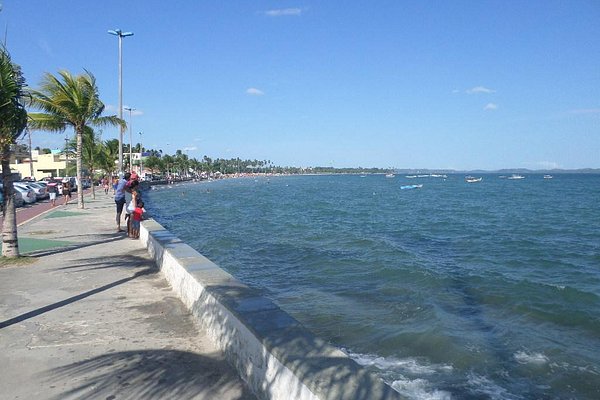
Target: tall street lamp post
[(66, 156), (130, 138), (141, 156), (120, 34)]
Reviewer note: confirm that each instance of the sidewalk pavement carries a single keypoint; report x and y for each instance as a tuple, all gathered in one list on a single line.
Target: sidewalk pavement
[(93, 318)]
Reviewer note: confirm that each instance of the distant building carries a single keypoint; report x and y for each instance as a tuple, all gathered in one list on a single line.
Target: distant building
[(53, 164)]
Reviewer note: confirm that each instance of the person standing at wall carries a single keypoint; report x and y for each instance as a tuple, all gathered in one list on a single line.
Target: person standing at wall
[(120, 198)]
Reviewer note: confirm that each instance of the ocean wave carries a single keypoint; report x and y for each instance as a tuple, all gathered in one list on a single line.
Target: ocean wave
[(400, 375), (419, 389), (481, 385), (408, 365), (524, 357)]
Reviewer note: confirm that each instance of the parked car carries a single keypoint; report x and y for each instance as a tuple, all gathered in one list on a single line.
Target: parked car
[(28, 194), (40, 191), (19, 202), (18, 197), (25, 185), (42, 187)]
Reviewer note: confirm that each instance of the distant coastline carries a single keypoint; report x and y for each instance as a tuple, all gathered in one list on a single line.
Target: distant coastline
[(501, 171)]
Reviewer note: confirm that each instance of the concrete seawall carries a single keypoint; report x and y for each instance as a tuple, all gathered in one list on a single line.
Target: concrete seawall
[(273, 353)]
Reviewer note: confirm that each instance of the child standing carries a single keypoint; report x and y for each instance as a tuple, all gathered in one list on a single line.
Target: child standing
[(137, 215)]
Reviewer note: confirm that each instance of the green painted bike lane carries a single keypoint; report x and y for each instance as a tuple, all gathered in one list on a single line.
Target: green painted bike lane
[(29, 244)]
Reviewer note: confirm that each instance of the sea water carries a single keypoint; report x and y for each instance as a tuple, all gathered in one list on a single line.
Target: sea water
[(456, 290)]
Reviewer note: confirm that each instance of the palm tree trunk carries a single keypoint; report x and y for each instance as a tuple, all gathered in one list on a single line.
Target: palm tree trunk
[(10, 244), (92, 180), (79, 133)]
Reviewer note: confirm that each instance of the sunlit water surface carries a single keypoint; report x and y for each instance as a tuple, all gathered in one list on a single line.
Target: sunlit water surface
[(487, 290)]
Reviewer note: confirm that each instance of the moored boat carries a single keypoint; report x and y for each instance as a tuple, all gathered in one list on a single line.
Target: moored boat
[(472, 179), (407, 187), (516, 176)]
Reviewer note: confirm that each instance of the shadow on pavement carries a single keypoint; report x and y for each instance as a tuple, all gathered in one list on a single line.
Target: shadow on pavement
[(73, 299), (149, 374), (121, 261)]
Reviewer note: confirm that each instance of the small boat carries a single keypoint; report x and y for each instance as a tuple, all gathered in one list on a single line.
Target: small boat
[(411, 176), (516, 176), (472, 179), (390, 175), (408, 187), (548, 177)]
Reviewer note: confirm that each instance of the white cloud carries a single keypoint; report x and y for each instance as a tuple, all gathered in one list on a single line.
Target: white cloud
[(456, 91), (283, 12), (190, 148), (480, 89), (490, 107), (254, 92)]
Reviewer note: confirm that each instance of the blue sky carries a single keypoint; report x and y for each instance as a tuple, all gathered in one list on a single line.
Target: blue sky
[(407, 84)]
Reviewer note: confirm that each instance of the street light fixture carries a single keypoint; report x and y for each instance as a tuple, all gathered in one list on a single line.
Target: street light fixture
[(130, 138), (120, 34)]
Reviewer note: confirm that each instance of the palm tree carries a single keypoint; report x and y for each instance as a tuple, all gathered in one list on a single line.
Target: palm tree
[(109, 155), (13, 120), (70, 101), (92, 153)]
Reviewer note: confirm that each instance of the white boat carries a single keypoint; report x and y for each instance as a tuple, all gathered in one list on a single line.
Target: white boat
[(472, 179), (516, 176), (548, 177), (411, 176), (408, 187), (390, 175)]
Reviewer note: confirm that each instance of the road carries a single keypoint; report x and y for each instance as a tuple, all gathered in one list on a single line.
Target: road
[(29, 211)]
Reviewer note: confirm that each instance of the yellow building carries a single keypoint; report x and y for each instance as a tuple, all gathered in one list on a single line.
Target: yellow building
[(44, 165)]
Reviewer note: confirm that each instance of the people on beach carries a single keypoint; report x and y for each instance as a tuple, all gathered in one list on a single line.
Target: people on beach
[(138, 214), (66, 191), (120, 198)]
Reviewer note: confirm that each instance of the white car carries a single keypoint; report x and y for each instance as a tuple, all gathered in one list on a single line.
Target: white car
[(40, 192), (39, 189), (17, 195), (28, 194)]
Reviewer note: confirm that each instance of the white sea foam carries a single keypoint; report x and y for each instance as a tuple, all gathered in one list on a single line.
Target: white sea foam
[(395, 372), (524, 357), (419, 389), (408, 365), (481, 385)]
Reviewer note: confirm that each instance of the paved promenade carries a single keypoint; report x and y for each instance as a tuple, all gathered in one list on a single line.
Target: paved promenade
[(92, 318)]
